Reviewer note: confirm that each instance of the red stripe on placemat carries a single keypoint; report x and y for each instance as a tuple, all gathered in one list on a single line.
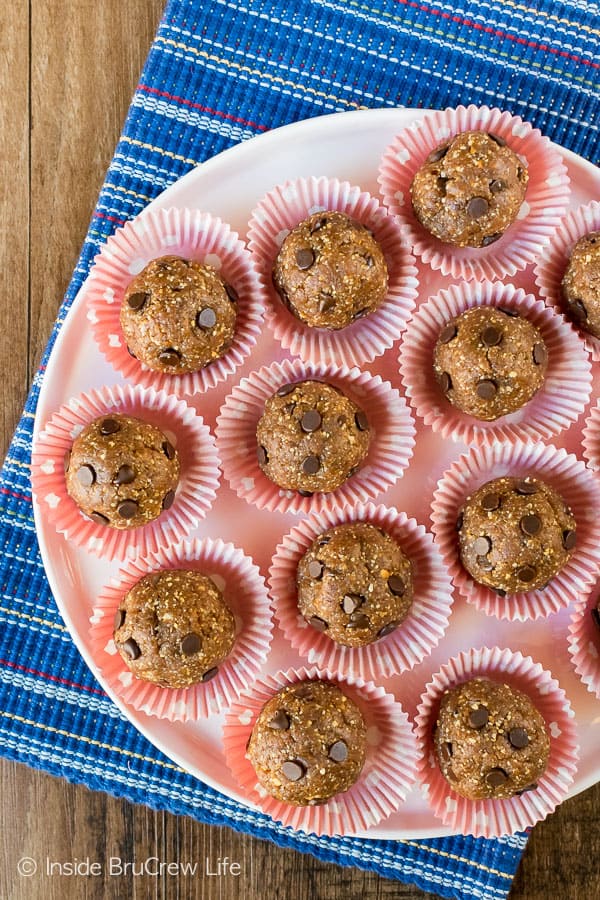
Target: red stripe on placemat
[(48, 677), (99, 215), (206, 109), (14, 494)]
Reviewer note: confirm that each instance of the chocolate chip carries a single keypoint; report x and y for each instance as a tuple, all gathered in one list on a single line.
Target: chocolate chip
[(206, 318), (311, 465), (486, 389), (437, 154), (318, 225), (508, 312), (569, 539), (305, 258), (362, 312), (477, 207), (315, 569), (526, 574), (285, 389), (191, 643), (128, 509), (352, 471), (500, 591), (445, 382), (318, 623), (168, 449), (209, 674), (311, 421), (526, 487), (491, 336), (293, 770), (495, 778), (497, 185), (361, 421), (138, 300), (482, 546), (478, 718), (262, 455), (518, 737), (446, 751), (232, 293), (351, 603), (358, 620), (596, 616), (396, 585), (130, 351), (530, 787), (497, 139), (109, 426), (338, 751), (540, 354), (131, 649), (86, 475), (459, 521), (447, 334), (306, 493), (490, 502), (387, 629), (66, 460), (170, 357), (578, 310), (119, 619), (441, 183), (99, 519), (168, 500), (125, 475), (491, 239), (369, 261), (280, 721), (531, 525), (326, 303)]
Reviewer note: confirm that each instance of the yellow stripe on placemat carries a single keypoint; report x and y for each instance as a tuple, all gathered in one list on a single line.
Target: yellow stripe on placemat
[(154, 149), (36, 619)]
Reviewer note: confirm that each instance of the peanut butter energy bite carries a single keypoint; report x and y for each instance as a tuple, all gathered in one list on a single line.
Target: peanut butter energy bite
[(355, 584), (122, 472), (178, 315), (311, 437), (490, 740), (581, 284), (173, 628), (330, 271), (515, 534), (308, 743), (470, 189), (490, 362)]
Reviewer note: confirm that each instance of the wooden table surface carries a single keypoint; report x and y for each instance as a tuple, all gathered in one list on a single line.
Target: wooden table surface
[(67, 72)]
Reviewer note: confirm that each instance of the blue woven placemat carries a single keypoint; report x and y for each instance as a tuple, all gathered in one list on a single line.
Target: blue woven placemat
[(220, 72)]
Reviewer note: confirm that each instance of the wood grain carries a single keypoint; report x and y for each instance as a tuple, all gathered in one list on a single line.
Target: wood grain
[(67, 72)]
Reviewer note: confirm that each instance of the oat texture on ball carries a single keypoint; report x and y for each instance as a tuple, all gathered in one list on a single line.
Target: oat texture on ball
[(470, 189), (490, 362), (308, 743), (330, 271), (121, 471), (178, 315), (355, 584), (311, 437), (515, 534), (174, 629), (490, 740), (581, 284)]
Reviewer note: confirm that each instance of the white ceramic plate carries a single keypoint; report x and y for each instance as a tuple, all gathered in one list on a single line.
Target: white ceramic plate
[(346, 145)]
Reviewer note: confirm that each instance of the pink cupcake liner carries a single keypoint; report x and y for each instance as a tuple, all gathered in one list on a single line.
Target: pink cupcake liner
[(546, 199), (361, 342), (199, 465), (559, 402), (569, 476), (392, 436), (182, 232), (591, 438), (584, 643), (494, 818), (551, 265), (388, 774), (245, 593), (411, 642)]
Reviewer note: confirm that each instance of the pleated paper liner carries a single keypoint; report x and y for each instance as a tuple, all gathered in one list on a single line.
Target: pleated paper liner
[(560, 401), (569, 477), (191, 234), (414, 638), (494, 818), (551, 265), (584, 642), (281, 210), (392, 436), (591, 438), (198, 481), (545, 203), (387, 776), (244, 591)]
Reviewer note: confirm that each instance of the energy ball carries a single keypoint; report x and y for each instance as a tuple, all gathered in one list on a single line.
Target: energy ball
[(122, 472), (178, 315), (490, 362), (311, 437), (330, 271), (490, 740), (581, 284), (515, 534), (173, 628), (355, 584), (469, 190), (308, 743)]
